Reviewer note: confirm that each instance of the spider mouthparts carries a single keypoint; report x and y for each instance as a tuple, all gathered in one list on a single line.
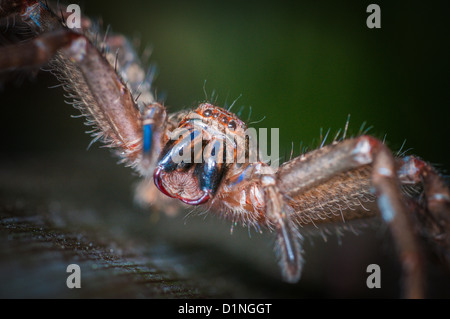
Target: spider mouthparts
[(203, 199), (158, 181), (205, 195)]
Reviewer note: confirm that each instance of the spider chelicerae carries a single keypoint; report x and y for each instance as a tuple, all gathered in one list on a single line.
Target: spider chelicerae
[(348, 179)]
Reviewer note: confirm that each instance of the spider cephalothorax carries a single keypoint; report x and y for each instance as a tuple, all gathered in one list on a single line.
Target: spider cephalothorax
[(204, 156)]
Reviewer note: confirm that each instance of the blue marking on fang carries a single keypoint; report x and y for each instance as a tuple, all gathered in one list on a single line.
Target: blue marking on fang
[(148, 132)]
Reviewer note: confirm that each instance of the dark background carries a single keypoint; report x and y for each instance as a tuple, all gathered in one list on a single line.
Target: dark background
[(303, 66)]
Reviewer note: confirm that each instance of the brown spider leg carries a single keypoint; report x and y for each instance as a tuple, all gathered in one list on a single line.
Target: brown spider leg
[(8, 7), (115, 112), (318, 166), (105, 97), (34, 52), (9, 17), (288, 239), (249, 195), (433, 210), (122, 56), (35, 14)]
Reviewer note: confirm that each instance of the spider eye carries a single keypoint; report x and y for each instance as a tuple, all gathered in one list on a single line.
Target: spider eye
[(215, 115), (232, 125), (224, 120), (207, 113)]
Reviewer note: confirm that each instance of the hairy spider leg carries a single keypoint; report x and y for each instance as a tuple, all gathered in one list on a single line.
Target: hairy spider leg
[(35, 52), (288, 240), (104, 97), (320, 165), (432, 210)]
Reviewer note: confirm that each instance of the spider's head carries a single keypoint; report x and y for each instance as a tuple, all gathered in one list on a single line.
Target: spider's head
[(201, 149)]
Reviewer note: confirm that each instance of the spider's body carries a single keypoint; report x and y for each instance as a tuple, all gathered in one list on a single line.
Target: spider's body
[(218, 169)]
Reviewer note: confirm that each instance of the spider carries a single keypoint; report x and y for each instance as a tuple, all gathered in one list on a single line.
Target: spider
[(349, 179)]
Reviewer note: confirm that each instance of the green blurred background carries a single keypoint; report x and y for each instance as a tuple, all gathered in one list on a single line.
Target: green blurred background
[(301, 65)]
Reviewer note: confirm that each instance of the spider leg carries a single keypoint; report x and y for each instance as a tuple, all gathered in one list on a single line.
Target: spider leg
[(96, 88), (288, 239), (36, 51), (122, 56), (249, 195), (319, 166), (105, 81), (432, 211)]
